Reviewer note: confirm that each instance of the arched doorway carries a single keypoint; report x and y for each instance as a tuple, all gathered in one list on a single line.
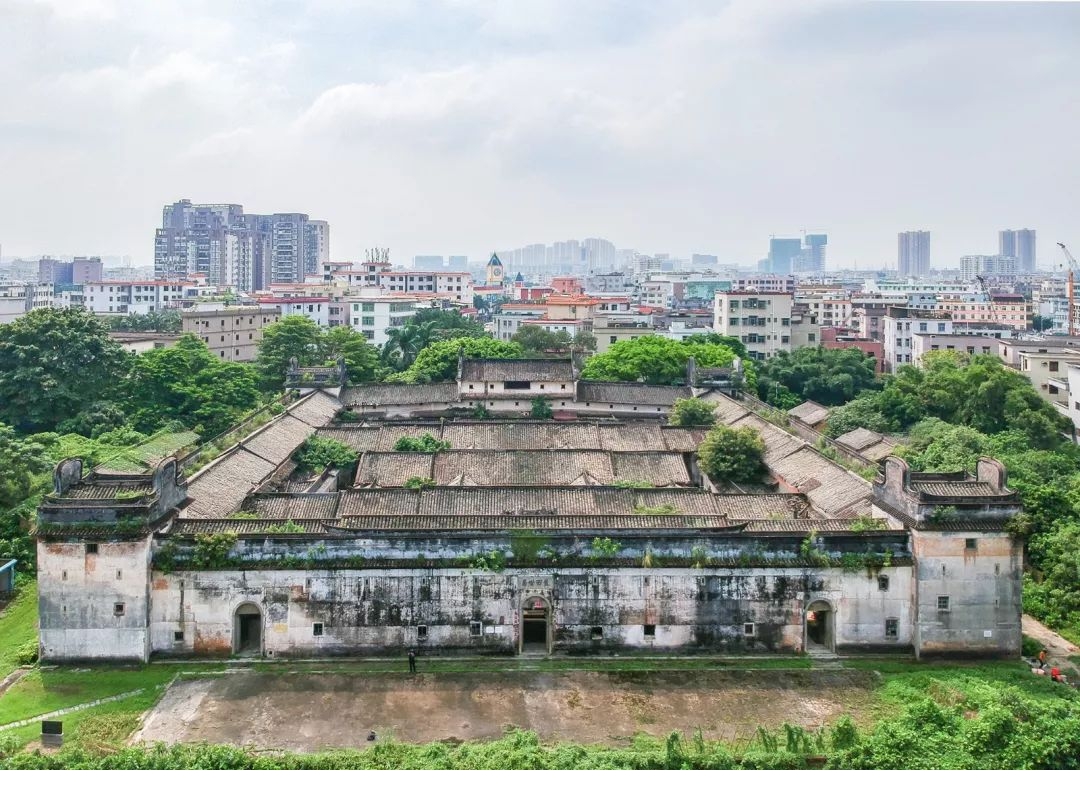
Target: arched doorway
[(535, 625), (247, 630), (819, 626)]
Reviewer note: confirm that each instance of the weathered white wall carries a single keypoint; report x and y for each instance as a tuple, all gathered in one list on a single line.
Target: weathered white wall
[(378, 610), (77, 593), (983, 586)]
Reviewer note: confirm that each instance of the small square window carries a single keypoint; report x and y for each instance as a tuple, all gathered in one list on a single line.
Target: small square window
[(118, 609), (748, 629), (596, 633), (317, 629), (943, 603), (650, 631), (178, 635), (421, 631), (475, 628), (91, 548), (969, 543), (883, 583), (892, 628)]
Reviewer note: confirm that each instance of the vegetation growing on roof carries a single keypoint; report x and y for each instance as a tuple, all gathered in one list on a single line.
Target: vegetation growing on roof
[(692, 413), (735, 455), (425, 443), (318, 453), (540, 408)]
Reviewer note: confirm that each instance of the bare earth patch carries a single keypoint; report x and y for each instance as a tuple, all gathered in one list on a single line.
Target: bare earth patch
[(310, 712)]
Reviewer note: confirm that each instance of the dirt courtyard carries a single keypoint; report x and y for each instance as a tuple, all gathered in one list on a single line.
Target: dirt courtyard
[(309, 712)]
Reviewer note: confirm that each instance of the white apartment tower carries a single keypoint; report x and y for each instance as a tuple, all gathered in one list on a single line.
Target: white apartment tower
[(913, 255)]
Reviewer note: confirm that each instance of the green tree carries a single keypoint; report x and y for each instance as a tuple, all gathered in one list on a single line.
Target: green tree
[(862, 412), (292, 336), (540, 408), (361, 358), (654, 359), (735, 455), (438, 361), (537, 340), (404, 343), (186, 383), (53, 362), (168, 320), (826, 376), (318, 453), (22, 462), (692, 412)]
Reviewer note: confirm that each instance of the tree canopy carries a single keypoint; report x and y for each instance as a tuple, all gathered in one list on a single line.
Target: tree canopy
[(166, 320), (827, 376), (438, 362), (692, 412), (187, 383), (54, 362), (656, 360), (311, 345), (735, 455), (404, 343)]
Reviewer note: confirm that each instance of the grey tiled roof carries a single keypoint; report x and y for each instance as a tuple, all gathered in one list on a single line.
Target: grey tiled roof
[(955, 489), (802, 526), (522, 436), (810, 412), (639, 436), (294, 507), (436, 523), (627, 393), (220, 489), (829, 487), (106, 490), (726, 409), (188, 526), (681, 439), (277, 441), (357, 437), (859, 439), (317, 409), (402, 394), (531, 467), (659, 469), (379, 502), (503, 370), (392, 469)]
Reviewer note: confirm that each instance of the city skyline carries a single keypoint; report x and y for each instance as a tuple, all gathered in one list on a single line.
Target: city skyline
[(761, 119)]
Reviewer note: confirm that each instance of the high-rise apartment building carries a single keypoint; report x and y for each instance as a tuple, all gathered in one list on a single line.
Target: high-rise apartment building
[(913, 255), (812, 257), (1021, 246), (783, 255), (974, 266), (234, 249)]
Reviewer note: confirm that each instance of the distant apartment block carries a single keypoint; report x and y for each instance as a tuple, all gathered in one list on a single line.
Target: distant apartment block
[(1020, 245), (19, 297), (132, 297), (766, 323), (80, 270), (972, 267), (238, 250), (231, 333), (913, 254)]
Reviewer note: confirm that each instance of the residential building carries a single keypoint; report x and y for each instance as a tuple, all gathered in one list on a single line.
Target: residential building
[(812, 257), (85, 270), (142, 342), (913, 257), (132, 297), (19, 297), (1010, 350), (452, 285), (902, 324), (232, 333), (313, 307), (1072, 372), (317, 245), (971, 344), (767, 323), (972, 267), (373, 314), (1020, 245), (1049, 374), (838, 338)]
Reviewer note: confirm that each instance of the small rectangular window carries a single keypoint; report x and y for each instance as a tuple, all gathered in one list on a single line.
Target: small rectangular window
[(63, 575), (969, 543), (317, 629), (475, 628), (748, 629), (91, 548), (119, 574), (425, 593), (421, 631), (650, 631), (178, 635), (943, 603), (892, 628), (118, 609), (883, 583), (596, 633)]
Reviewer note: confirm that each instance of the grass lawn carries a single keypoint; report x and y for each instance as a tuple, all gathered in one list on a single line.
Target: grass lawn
[(18, 627)]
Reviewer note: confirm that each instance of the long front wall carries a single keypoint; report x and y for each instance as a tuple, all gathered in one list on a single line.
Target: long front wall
[(594, 609)]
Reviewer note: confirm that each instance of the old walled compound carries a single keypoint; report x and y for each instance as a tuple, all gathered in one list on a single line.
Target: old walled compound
[(594, 532)]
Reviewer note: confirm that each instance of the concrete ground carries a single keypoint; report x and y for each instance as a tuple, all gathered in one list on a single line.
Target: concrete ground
[(1058, 649), (310, 712)]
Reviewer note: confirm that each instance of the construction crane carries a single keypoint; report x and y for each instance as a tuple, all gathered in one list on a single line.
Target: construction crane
[(1070, 286)]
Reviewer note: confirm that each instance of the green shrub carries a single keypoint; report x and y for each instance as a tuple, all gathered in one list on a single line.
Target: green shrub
[(426, 443), (733, 454), (540, 409), (692, 413), (318, 453)]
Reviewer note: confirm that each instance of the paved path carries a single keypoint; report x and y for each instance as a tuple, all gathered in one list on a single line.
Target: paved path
[(1058, 649), (70, 710)]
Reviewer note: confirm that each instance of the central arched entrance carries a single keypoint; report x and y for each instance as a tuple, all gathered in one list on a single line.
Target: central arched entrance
[(247, 630), (535, 625), (819, 627)]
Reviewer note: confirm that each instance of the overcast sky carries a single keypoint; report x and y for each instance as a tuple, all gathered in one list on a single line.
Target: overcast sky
[(458, 126)]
